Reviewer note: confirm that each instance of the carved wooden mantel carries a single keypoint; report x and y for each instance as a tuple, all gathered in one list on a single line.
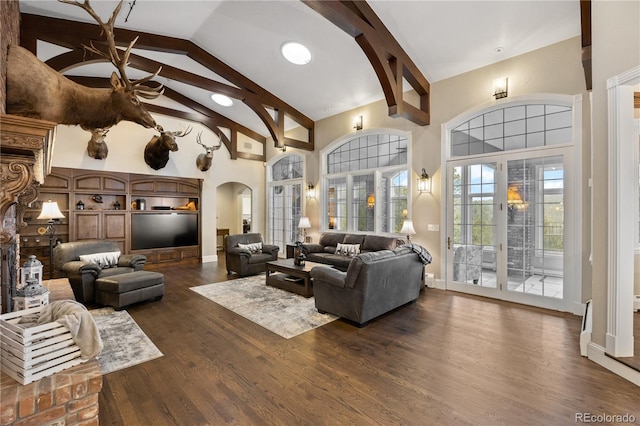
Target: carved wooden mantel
[(26, 147)]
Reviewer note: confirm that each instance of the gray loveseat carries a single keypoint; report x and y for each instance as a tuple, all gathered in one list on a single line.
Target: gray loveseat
[(83, 275), (374, 283), (325, 250)]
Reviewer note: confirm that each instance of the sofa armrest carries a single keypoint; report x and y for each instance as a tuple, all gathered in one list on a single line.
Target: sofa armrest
[(76, 268), (135, 261), (312, 248), (329, 275), (237, 251), (270, 249)]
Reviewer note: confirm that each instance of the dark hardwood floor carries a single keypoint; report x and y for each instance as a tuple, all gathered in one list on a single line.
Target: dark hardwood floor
[(449, 359)]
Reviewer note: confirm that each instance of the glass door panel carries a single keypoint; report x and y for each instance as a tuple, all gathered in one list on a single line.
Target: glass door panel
[(473, 214), (535, 226), (284, 214)]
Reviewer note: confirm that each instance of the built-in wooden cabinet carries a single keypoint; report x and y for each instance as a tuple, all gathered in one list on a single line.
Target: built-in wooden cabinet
[(103, 205)]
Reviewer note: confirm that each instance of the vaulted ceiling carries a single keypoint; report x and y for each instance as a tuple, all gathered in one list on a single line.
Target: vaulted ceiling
[(233, 47)]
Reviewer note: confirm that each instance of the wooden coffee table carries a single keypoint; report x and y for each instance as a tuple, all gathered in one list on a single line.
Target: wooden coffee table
[(284, 274)]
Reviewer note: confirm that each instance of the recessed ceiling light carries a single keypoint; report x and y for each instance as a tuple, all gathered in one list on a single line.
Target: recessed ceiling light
[(222, 99), (296, 53)]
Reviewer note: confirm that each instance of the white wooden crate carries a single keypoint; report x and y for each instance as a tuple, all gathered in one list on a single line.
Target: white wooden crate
[(29, 354)]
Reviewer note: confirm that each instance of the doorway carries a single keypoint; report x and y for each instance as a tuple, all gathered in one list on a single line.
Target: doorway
[(511, 195), (506, 227), (234, 207)]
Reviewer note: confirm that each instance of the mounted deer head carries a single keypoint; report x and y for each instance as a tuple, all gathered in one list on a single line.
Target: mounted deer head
[(97, 147), (156, 153), (203, 162), (36, 90)]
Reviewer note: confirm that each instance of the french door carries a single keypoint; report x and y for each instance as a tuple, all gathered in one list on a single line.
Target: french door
[(285, 209), (508, 232)]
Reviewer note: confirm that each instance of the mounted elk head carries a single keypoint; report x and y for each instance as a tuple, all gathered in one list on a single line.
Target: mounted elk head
[(97, 147), (36, 90), (156, 153), (203, 162)]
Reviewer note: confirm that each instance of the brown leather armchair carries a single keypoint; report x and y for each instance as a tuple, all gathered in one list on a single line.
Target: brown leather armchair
[(83, 275), (243, 261)]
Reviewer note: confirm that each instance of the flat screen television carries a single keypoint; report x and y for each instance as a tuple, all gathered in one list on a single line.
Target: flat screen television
[(158, 230)]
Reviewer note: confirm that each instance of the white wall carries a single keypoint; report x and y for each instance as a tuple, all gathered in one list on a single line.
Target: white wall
[(126, 143)]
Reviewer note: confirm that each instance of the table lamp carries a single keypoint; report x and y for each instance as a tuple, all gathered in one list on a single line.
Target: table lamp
[(51, 212), (304, 224), (407, 228)]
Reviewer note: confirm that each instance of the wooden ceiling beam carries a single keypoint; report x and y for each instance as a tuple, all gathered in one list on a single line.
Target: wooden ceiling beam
[(73, 35), (585, 26), (388, 59)]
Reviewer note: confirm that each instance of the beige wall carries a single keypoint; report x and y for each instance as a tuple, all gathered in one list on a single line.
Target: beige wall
[(126, 143), (554, 69), (616, 48)]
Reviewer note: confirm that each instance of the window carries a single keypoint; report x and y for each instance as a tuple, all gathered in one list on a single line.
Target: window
[(514, 127), (366, 183), (285, 195)]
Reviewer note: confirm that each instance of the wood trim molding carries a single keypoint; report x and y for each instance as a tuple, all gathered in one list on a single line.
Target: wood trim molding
[(388, 59), (73, 35), (621, 208), (585, 25)]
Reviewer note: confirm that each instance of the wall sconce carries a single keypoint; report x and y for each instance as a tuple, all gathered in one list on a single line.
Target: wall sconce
[(424, 182), (311, 191), (357, 123), (371, 201), (500, 87)]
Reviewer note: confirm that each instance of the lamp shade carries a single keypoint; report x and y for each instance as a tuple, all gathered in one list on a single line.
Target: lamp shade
[(407, 227), (304, 222), (50, 210)]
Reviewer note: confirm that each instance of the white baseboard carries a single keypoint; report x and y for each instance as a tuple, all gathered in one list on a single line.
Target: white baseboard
[(440, 284), (636, 303), (212, 258), (596, 353)]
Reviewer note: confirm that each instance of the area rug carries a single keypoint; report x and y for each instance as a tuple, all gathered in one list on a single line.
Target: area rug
[(125, 344), (284, 313)]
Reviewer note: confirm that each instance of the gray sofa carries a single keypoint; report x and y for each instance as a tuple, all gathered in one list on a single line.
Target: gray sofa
[(325, 250), (374, 283), (83, 275), (244, 262)]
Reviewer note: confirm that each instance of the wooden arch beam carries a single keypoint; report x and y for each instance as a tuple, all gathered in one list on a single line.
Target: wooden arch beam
[(72, 35), (389, 60)]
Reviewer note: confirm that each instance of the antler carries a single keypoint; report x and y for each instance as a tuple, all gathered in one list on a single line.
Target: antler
[(184, 132), (114, 57), (199, 140), (213, 147)]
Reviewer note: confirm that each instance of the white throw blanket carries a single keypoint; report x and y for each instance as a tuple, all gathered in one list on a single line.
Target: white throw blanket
[(80, 323)]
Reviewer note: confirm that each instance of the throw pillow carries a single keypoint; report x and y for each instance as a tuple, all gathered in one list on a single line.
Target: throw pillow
[(348, 249), (253, 248), (104, 260)]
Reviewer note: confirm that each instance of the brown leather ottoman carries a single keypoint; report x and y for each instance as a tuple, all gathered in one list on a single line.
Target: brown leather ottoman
[(122, 290)]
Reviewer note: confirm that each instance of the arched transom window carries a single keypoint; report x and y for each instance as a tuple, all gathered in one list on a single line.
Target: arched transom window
[(511, 128)]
